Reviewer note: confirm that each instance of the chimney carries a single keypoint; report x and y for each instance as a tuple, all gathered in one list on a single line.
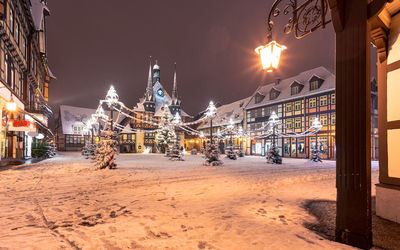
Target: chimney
[(277, 81)]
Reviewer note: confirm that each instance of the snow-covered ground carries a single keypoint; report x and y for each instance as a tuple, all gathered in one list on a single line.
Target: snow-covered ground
[(150, 202)]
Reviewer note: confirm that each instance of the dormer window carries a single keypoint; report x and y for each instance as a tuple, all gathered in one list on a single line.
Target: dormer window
[(296, 88), (258, 98), (315, 83), (273, 94)]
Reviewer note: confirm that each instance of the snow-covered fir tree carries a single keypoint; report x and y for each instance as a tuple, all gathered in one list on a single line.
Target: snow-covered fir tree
[(166, 134), (212, 155), (105, 151), (273, 155)]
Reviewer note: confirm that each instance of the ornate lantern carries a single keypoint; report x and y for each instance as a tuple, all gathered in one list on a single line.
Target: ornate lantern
[(270, 55)]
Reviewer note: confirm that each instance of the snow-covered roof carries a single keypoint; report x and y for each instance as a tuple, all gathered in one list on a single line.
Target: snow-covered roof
[(284, 87), (226, 112), (72, 116), (38, 10), (77, 116), (161, 101)]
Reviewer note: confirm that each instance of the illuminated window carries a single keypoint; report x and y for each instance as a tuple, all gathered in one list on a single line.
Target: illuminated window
[(295, 90), (333, 99), (11, 21), (333, 119), (289, 123), (311, 120), (313, 102), (324, 120), (297, 122), (314, 85), (297, 106), (289, 107), (323, 101)]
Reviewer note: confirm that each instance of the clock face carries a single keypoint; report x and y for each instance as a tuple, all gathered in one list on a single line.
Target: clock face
[(160, 92)]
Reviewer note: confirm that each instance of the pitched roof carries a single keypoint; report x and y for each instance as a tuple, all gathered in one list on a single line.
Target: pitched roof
[(160, 100), (226, 112), (71, 116), (284, 87), (38, 10)]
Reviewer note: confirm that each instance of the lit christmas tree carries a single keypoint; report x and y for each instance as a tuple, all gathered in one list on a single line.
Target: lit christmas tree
[(212, 155), (105, 151), (166, 135)]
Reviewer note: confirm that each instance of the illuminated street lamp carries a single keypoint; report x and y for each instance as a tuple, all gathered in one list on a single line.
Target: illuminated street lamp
[(211, 110), (230, 127), (270, 55)]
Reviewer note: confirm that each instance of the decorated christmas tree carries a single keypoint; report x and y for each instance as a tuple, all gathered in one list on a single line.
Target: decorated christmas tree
[(273, 155), (88, 151), (176, 153), (105, 151), (166, 134), (212, 155)]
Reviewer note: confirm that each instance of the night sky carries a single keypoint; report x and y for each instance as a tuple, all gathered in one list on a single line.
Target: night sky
[(95, 43)]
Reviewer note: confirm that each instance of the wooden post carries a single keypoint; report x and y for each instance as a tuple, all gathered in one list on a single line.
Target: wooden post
[(353, 130)]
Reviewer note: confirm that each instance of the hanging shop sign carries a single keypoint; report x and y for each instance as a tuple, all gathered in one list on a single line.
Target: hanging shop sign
[(21, 125)]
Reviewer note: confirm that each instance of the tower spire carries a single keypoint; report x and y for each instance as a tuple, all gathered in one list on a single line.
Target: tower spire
[(149, 89), (175, 87)]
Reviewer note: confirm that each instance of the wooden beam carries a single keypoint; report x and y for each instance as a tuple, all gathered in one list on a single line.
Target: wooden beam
[(337, 14), (353, 126), (376, 6)]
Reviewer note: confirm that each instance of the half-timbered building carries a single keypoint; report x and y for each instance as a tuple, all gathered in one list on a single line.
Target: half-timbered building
[(24, 75)]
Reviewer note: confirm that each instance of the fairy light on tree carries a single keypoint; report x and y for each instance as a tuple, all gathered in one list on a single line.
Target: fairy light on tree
[(273, 155), (111, 100), (316, 124)]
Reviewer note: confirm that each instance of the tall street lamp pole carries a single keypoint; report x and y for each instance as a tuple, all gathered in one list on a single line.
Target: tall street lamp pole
[(210, 113)]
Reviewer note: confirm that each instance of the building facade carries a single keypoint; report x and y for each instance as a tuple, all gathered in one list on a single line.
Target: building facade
[(24, 75), (135, 129), (297, 101), (155, 103), (224, 115)]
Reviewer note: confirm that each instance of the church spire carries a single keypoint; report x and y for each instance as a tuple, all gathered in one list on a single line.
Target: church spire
[(149, 89), (175, 87), (156, 73)]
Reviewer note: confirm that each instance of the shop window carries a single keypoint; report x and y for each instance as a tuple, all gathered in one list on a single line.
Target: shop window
[(293, 147), (300, 146), (287, 146), (323, 101), (313, 102)]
